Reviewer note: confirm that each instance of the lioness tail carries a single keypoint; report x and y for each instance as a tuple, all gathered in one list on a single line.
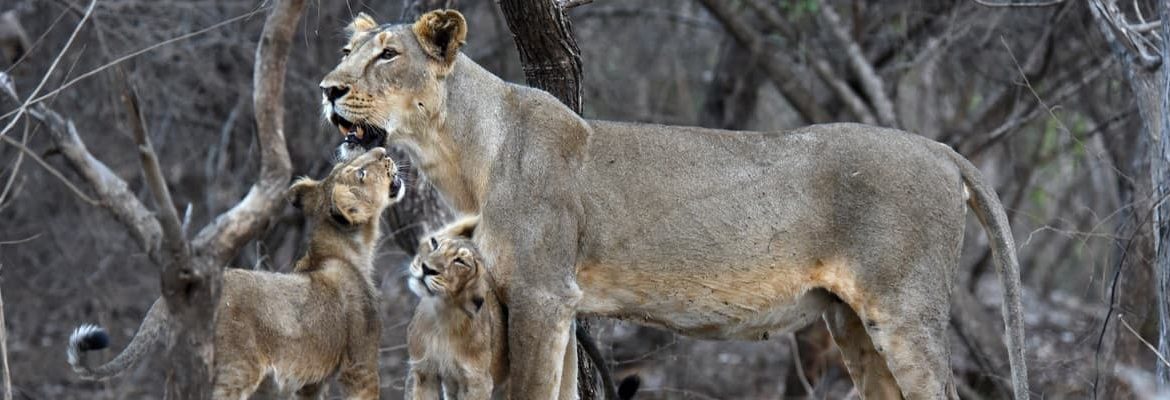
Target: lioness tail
[(92, 337), (991, 214)]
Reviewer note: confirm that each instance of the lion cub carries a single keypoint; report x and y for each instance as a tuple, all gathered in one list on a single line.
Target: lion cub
[(458, 339), (302, 327)]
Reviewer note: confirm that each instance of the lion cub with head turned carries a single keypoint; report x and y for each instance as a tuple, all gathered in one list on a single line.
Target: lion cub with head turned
[(458, 339), (302, 327)]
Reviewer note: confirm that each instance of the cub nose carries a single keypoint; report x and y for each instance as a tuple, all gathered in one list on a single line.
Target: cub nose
[(334, 92)]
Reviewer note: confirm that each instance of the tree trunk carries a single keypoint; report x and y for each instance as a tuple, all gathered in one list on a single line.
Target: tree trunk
[(192, 271), (1160, 166), (551, 62), (1139, 157)]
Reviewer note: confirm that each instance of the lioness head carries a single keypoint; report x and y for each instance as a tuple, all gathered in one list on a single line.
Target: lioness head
[(391, 78), (450, 267), (355, 193)]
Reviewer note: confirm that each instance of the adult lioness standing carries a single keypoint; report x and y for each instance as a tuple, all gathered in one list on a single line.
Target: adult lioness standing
[(708, 233)]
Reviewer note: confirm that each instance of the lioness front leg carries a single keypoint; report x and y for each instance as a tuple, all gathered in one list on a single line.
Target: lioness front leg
[(538, 333)]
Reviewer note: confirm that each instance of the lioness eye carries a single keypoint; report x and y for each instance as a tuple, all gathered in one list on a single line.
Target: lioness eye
[(434, 243), (388, 54), (361, 173)]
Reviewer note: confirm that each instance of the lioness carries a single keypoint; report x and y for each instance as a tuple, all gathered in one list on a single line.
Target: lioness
[(709, 233), (302, 327), (458, 336)]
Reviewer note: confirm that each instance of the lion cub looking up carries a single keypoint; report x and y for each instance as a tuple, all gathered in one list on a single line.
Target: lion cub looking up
[(458, 339), (302, 327)]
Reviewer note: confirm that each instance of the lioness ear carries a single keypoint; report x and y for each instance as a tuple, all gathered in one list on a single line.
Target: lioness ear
[(361, 23), (301, 192), (441, 33)]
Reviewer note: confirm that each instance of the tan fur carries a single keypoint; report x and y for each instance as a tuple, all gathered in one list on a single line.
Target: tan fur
[(710, 233), (307, 326), (452, 340)]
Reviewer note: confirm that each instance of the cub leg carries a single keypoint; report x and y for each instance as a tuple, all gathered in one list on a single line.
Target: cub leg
[(476, 386), (422, 386), (237, 380), (311, 391), (866, 367), (359, 379)]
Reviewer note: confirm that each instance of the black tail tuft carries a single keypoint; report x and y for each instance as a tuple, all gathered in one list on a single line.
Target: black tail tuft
[(628, 387), (90, 337)]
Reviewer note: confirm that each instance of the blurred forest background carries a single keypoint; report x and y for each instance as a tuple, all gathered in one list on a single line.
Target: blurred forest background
[(1050, 99)]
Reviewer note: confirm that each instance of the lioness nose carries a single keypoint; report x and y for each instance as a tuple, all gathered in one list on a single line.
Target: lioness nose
[(334, 92)]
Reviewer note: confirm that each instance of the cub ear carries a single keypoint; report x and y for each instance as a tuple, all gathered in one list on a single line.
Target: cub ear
[(361, 23), (464, 227), (441, 33), (302, 192), (474, 298)]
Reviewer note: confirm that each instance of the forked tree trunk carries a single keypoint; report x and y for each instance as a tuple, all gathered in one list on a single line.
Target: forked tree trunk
[(551, 62)]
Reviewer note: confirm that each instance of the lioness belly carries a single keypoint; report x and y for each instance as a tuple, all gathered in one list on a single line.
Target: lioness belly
[(741, 305)]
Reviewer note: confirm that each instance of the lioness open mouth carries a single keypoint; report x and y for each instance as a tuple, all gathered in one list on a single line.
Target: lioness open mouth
[(365, 135)]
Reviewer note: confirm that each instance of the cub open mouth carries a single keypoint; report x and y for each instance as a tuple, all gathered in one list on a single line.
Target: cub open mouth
[(365, 135)]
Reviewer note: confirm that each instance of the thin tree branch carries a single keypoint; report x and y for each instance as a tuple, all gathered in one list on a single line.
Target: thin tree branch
[(32, 154), (1011, 3), (229, 231), (172, 233), (132, 54), (567, 4), (855, 103), (61, 54), (784, 78), (113, 192), (870, 81)]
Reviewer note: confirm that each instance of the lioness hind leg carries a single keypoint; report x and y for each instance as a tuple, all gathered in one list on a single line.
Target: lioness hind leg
[(915, 348), (866, 367)]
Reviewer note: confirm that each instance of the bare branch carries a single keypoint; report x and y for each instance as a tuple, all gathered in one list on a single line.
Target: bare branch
[(870, 81), (112, 191), (567, 4), (1119, 32), (53, 171), (223, 237), (777, 69), (1011, 3), (24, 106), (842, 89), (172, 233), (132, 54)]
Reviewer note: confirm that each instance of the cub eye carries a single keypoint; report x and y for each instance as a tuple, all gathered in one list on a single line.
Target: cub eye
[(361, 174), (462, 263), (388, 54), (434, 243)]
